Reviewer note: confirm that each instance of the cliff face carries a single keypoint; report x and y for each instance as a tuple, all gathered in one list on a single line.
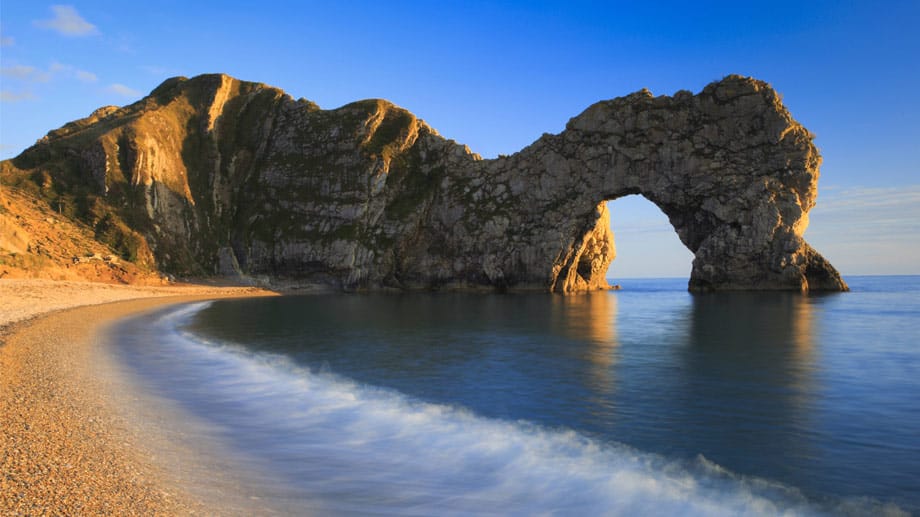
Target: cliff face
[(215, 175)]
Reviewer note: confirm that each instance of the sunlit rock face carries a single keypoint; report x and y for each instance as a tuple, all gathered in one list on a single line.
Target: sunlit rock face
[(212, 174)]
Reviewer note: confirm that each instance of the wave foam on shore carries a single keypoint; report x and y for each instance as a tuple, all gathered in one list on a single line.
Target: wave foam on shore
[(314, 439)]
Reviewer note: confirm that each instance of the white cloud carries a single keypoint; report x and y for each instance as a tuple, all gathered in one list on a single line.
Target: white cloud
[(870, 213), (8, 96), (868, 230), (17, 71), (71, 71), (67, 22), (84, 76), (7, 41), (25, 73), (123, 90), (864, 198)]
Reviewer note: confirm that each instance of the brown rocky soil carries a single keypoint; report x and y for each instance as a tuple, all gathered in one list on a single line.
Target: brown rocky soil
[(37, 242)]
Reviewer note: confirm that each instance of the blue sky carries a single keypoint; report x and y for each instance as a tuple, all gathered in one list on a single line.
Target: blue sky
[(496, 75)]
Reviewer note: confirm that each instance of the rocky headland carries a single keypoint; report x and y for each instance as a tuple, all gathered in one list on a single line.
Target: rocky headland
[(217, 176)]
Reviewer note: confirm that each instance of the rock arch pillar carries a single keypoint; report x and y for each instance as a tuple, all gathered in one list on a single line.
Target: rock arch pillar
[(584, 265)]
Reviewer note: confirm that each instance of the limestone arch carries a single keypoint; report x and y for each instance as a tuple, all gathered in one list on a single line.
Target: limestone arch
[(731, 169)]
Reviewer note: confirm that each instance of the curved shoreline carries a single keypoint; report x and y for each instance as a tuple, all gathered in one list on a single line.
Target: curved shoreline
[(74, 437)]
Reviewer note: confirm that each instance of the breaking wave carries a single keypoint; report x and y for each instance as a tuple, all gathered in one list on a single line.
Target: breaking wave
[(324, 443)]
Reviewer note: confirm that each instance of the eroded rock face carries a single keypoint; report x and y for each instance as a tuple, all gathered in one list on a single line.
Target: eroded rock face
[(213, 169)]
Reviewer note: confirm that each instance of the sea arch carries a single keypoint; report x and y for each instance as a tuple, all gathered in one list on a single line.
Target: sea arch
[(731, 169)]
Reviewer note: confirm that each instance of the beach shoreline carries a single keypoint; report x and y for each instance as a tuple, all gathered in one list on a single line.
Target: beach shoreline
[(75, 437)]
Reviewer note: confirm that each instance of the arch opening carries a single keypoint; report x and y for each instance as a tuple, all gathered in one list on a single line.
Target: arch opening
[(647, 245)]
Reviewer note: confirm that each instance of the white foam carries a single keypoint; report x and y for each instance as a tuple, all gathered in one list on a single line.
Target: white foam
[(345, 448)]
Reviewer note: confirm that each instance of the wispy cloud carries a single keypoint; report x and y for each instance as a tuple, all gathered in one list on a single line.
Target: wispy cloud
[(25, 76), (8, 96), (67, 22), (7, 41), (123, 90), (84, 76), (640, 227), (865, 198), (868, 230), (159, 71), (72, 71), (25, 73), (17, 71), (870, 213), (636, 215)]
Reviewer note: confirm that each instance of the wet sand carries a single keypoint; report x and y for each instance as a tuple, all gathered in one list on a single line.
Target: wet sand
[(75, 437)]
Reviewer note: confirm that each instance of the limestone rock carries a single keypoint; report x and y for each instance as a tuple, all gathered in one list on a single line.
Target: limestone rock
[(368, 196), (227, 265)]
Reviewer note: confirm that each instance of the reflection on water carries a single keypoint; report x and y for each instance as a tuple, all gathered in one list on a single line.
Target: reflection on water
[(589, 321), (760, 384), (746, 383), (307, 442), (726, 376), (504, 356)]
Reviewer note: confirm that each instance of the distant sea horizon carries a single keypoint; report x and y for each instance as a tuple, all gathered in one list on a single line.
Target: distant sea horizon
[(687, 277), (648, 399)]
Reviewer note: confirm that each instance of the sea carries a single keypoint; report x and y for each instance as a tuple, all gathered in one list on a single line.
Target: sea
[(648, 400)]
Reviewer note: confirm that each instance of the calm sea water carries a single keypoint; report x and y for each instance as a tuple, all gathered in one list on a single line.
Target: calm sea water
[(648, 400)]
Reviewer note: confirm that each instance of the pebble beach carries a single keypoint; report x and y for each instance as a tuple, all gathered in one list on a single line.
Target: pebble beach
[(69, 443)]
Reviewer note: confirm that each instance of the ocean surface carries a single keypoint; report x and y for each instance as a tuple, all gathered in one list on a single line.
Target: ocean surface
[(644, 401)]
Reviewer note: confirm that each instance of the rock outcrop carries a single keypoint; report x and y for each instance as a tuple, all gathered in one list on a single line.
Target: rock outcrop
[(213, 174)]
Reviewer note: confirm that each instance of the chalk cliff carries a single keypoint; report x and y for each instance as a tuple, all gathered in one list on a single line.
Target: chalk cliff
[(212, 175)]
